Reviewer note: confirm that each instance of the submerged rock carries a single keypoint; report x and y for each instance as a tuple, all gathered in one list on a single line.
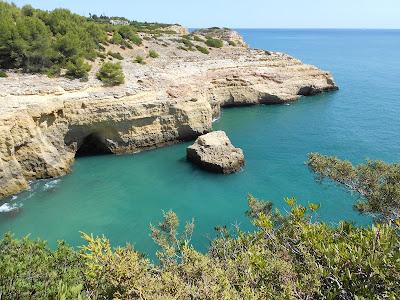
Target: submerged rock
[(214, 152)]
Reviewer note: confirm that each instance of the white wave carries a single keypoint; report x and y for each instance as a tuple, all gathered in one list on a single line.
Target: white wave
[(216, 119), (7, 207), (51, 184)]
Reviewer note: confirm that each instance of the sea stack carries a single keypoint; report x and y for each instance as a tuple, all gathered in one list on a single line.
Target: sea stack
[(214, 152)]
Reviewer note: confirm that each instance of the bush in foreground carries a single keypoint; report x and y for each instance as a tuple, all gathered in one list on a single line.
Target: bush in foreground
[(3, 74), (111, 74), (285, 257), (376, 182)]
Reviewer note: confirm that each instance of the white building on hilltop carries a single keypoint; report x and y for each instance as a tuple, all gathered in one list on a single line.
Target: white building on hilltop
[(119, 22)]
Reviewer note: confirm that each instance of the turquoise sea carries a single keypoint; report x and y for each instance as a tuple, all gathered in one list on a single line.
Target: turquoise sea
[(119, 196)]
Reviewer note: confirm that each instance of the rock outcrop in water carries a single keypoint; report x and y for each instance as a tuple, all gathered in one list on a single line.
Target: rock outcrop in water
[(45, 123), (214, 152)]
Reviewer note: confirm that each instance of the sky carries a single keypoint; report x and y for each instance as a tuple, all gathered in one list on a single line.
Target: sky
[(242, 14)]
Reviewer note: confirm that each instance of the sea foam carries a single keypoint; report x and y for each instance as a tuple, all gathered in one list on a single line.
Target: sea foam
[(8, 207)]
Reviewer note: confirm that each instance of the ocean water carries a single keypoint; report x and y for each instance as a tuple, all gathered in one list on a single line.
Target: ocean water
[(119, 196)]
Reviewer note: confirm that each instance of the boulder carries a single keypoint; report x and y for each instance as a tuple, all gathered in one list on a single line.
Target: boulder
[(214, 152)]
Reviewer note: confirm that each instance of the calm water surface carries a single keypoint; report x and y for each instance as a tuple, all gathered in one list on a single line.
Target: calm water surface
[(119, 196)]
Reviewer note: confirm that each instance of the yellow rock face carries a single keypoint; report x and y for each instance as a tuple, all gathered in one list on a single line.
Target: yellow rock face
[(45, 122)]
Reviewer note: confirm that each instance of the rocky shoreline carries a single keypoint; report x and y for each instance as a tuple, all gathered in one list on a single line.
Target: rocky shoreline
[(45, 123)]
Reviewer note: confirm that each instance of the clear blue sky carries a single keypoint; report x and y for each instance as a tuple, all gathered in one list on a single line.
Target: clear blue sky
[(243, 14)]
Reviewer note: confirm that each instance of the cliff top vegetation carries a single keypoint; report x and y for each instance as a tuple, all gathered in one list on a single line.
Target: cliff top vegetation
[(60, 42)]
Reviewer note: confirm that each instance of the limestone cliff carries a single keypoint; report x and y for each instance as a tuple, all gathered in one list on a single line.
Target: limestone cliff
[(45, 123)]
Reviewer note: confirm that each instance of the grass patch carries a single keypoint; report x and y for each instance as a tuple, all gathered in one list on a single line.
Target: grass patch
[(153, 54), (139, 60), (3, 74), (198, 39), (203, 50), (232, 43)]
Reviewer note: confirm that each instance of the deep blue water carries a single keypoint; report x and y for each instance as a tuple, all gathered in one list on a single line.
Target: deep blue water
[(120, 195)]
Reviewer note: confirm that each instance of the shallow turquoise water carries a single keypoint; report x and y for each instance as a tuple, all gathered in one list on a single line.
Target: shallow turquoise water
[(119, 196)]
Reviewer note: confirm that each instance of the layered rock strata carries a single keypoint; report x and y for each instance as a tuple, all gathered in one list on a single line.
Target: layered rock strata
[(214, 152), (45, 123)]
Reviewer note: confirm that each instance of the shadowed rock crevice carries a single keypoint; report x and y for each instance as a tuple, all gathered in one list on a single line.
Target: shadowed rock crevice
[(93, 144)]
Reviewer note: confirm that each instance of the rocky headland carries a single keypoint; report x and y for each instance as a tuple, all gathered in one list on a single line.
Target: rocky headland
[(46, 122)]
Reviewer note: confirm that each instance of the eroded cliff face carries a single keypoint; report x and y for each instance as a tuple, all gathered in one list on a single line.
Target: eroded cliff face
[(45, 123), (43, 142)]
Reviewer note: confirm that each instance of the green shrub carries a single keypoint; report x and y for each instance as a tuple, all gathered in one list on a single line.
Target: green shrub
[(3, 74), (136, 40), (153, 54), (139, 60), (283, 257), (117, 39), (30, 270), (128, 32), (116, 55), (182, 48), (287, 255), (187, 43), (101, 55), (198, 39), (232, 43), (377, 182), (111, 74), (53, 71), (214, 43), (77, 68), (202, 49), (36, 41)]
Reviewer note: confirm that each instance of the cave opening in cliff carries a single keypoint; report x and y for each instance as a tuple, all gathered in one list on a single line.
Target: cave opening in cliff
[(93, 144)]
